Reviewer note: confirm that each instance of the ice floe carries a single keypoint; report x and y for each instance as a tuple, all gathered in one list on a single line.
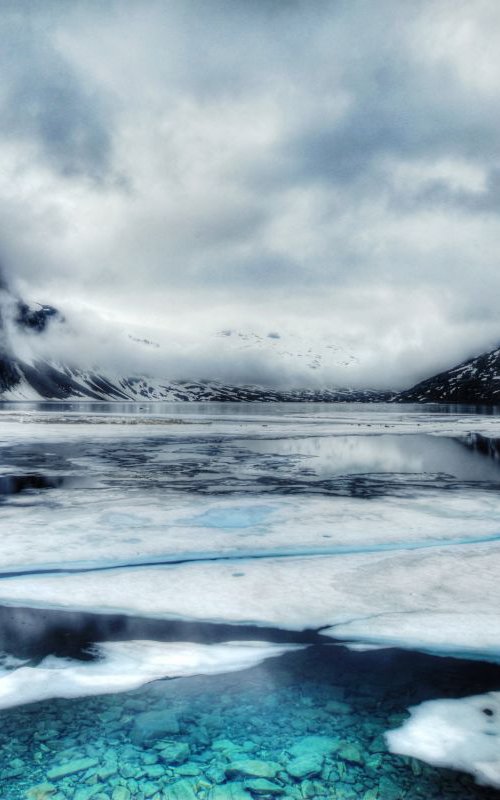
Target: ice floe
[(121, 666), (462, 734)]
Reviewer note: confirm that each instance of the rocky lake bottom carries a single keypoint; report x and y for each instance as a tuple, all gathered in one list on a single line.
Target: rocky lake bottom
[(307, 724)]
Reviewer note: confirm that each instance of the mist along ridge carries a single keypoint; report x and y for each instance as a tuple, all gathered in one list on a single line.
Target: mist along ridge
[(37, 374), (29, 372)]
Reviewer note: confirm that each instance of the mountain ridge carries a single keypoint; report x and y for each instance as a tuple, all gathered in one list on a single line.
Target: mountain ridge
[(475, 380)]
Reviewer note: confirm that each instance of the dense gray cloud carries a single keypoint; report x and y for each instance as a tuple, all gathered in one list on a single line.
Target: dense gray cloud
[(46, 105), (326, 170)]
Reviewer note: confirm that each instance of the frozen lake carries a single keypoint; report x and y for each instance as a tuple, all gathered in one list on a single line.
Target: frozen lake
[(302, 573)]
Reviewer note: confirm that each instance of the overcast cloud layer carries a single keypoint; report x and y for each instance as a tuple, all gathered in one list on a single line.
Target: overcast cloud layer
[(326, 170)]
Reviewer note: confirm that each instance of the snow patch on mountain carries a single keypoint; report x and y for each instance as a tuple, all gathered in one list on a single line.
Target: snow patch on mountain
[(474, 381)]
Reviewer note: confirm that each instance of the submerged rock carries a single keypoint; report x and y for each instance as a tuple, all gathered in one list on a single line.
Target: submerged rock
[(252, 768), (346, 793), (71, 767), (313, 789), (120, 793), (41, 792), (107, 771), (87, 792), (174, 752), (14, 769), (305, 766), (264, 786), (149, 789), (315, 745), (153, 725), (180, 790), (351, 752), (389, 790), (225, 746), (229, 791), (188, 770), (154, 771)]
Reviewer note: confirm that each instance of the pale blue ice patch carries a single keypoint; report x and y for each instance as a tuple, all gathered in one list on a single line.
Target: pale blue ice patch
[(243, 516)]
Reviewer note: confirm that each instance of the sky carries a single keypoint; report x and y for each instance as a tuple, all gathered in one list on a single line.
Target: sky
[(326, 171)]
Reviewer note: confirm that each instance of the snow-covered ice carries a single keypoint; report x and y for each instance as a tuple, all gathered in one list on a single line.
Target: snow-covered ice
[(121, 666), (459, 734)]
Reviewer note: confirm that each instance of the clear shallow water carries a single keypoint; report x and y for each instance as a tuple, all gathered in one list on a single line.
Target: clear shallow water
[(157, 525), (312, 722)]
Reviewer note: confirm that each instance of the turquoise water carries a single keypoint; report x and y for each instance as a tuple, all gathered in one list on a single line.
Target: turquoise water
[(308, 724)]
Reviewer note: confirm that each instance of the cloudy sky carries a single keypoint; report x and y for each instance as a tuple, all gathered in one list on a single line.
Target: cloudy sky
[(328, 170)]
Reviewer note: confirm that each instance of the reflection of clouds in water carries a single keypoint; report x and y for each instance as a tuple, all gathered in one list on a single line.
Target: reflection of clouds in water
[(410, 454)]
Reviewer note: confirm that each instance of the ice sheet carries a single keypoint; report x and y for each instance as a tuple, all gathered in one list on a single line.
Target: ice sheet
[(119, 420), (90, 531)]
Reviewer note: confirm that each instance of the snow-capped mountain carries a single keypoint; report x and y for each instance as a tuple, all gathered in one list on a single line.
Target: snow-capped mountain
[(474, 381), (24, 376)]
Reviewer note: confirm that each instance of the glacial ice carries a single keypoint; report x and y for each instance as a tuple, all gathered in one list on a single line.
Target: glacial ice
[(121, 666), (460, 734)]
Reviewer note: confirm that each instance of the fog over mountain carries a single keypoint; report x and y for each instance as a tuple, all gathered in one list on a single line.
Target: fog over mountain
[(253, 186)]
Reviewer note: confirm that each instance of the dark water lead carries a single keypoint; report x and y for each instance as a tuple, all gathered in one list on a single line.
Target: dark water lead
[(305, 725), (34, 633), (15, 484)]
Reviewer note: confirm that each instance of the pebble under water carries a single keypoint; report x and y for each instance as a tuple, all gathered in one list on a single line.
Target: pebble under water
[(305, 725)]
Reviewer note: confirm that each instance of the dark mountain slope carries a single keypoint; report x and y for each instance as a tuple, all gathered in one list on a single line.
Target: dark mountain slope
[(476, 381)]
